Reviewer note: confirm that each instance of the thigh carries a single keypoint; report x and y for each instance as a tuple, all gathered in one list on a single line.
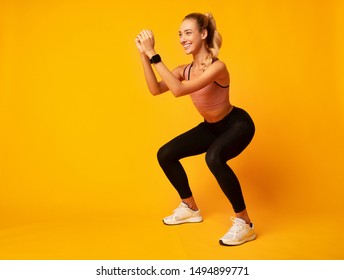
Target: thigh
[(231, 142), (193, 142)]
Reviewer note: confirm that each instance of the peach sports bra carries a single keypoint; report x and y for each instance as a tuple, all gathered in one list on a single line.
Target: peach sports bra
[(212, 97)]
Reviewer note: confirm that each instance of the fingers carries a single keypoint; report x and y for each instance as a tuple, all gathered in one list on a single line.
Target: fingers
[(145, 41), (146, 34)]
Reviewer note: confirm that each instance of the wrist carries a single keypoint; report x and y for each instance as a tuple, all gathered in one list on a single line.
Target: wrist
[(155, 59), (151, 54)]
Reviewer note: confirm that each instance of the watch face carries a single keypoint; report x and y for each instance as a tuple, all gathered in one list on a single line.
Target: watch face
[(155, 58)]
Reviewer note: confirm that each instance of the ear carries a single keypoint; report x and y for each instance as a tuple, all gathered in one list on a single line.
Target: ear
[(204, 34)]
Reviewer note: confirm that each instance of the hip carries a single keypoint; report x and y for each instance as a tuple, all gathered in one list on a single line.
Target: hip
[(235, 116)]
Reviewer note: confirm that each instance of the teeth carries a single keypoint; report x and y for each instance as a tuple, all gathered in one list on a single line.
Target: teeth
[(186, 46)]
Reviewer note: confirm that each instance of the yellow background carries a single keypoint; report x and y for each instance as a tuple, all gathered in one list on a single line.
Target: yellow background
[(79, 130)]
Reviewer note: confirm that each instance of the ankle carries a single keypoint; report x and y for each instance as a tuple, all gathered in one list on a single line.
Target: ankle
[(191, 205), (244, 216)]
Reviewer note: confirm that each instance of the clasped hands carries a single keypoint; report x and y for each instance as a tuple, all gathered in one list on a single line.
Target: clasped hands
[(145, 42)]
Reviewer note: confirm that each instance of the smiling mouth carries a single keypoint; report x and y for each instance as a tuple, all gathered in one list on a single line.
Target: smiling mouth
[(186, 46)]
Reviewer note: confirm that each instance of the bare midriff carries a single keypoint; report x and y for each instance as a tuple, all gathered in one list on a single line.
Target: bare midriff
[(216, 115)]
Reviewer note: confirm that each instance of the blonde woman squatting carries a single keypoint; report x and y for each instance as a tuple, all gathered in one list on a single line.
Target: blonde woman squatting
[(225, 132)]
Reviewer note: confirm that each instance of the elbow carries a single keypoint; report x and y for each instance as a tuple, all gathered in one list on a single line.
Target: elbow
[(155, 91), (178, 92)]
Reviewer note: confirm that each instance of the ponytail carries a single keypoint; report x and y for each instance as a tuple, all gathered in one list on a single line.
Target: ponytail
[(214, 41)]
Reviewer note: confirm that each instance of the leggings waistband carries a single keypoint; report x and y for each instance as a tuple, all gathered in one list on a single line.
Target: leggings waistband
[(236, 114), (225, 118)]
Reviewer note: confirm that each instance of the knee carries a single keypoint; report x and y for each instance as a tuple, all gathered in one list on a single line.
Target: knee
[(213, 160), (164, 154)]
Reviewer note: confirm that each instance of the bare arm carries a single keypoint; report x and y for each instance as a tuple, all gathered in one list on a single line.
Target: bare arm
[(179, 88), (170, 79), (155, 87)]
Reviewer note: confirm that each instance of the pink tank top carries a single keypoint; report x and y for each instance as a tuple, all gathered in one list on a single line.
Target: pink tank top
[(210, 98)]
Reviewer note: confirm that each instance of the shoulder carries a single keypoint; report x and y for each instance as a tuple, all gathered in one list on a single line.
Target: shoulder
[(179, 71), (217, 67), (182, 67), (220, 71), (219, 64)]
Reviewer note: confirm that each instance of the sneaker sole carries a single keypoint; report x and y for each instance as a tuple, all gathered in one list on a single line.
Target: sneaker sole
[(252, 237), (190, 220)]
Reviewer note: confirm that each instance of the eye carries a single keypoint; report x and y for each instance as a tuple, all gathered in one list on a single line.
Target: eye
[(188, 33)]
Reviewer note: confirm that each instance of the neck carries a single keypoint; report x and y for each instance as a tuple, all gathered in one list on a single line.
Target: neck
[(199, 58)]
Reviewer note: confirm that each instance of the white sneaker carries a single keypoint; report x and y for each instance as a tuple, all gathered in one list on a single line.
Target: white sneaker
[(239, 233), (183, 214)]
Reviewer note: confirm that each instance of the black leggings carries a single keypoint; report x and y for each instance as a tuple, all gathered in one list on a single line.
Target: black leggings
[(221, 141)]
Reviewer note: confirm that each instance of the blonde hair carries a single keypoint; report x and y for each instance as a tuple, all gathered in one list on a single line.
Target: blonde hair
[(214, 38)]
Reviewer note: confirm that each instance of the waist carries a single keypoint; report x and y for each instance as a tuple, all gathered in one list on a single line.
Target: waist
[(217, 115), (234, 115)]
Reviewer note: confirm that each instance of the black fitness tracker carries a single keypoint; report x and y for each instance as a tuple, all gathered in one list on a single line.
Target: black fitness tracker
[(155, 59)]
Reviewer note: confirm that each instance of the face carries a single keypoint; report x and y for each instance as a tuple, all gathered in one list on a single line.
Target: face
[(190, 37)]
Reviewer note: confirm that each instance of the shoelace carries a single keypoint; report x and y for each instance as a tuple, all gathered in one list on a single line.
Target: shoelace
[(236, 227), (178, 208)]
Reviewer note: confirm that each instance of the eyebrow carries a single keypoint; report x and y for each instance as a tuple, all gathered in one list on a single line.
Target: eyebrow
[(185, 30)]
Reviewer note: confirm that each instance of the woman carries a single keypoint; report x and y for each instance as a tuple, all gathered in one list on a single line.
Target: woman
[(225, 131)]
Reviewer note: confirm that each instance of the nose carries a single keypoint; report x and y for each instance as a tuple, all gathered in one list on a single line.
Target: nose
[(181, 38)]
